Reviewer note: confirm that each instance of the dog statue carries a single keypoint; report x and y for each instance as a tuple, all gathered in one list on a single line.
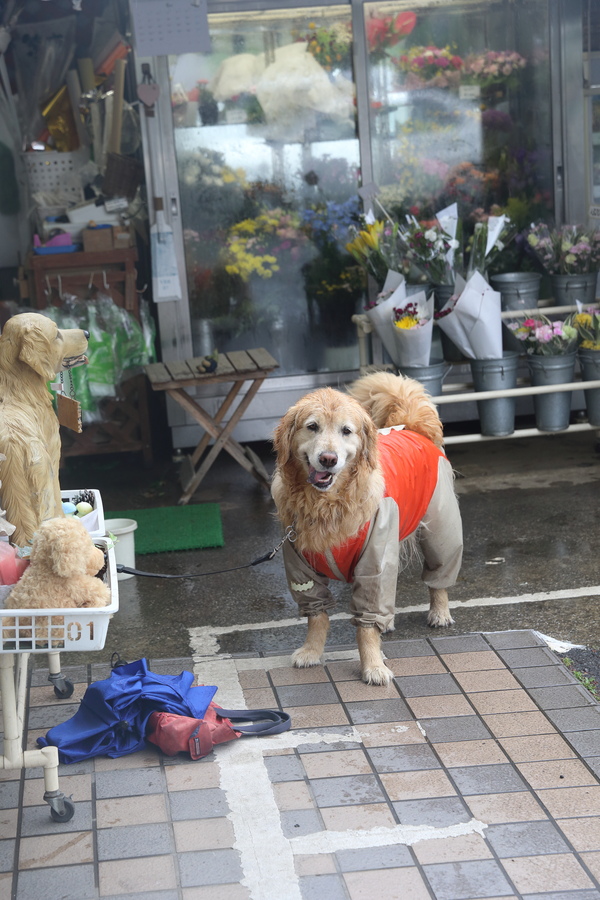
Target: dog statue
[(32, 351), (355, 498)]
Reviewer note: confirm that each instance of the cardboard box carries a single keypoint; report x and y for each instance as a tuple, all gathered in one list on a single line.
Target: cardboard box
[(122, 237), (96, 240)]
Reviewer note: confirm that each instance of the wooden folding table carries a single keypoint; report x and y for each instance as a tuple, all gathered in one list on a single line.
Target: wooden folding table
[(238, 367)]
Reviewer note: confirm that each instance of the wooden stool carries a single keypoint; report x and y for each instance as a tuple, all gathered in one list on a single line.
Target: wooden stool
[(238, 366)]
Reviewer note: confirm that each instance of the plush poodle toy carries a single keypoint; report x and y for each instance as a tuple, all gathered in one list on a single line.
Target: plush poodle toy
[(62, 568)]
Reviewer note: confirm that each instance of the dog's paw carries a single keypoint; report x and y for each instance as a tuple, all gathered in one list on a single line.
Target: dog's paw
[(304, 658), (377, 675), (439, 619)]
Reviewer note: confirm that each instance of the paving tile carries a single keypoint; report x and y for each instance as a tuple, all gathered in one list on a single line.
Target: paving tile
[(130, 841), (292, 795), (545, 676), (316, 887), (291, 675), (201, 867), (393, 884), (7, 855), (147, 809), (317, 716), (497, 779), (565, 895), (508, 640), (417, 665), (379, 711), (260, 698), (535, 656), (470, 753), (417, 785), (464, 880), (472, 661), (346, 791), (587, 744), (584, 834), (556, 774), (257, 678), (189, 776), (56, 850), (355, 691), (306, 694), (48, 716), (518, 724), (461, 643), (346, 733), (511, 807), (77, 787), (409, 758), (146, 895), (451, 849), (66, 882), (131, 876), (8, 823), (537, 747), (362, 817), (203, 834), (384, 734), (592, 861), (562, 697), (212, 892), (526, 839), (36, 820), (556, 872), (9, 795), (341, 670), (314, 864), (284, 768), (569, 802), (427, 685), (337, 762), (436, 707), (497, 702), (129, 783), (581, 719), (454, 728), (140, 760), (205, 804), (488, 680), (400, 649), (296, 822), (440, 812), (42, 696), (391, 857)]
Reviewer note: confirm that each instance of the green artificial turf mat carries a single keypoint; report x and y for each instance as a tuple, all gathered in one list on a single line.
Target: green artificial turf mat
[(165, 528)]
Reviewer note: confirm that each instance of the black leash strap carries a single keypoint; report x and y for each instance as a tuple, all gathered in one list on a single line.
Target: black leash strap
[(290, 535)]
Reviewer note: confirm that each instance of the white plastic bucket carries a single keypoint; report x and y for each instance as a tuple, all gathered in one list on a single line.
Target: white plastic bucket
[(124, 531)]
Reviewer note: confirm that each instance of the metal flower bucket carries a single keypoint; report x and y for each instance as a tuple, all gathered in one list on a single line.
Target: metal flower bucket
[(431, 376), (566, 289), (552, 411), (497, 416), (589, 363)]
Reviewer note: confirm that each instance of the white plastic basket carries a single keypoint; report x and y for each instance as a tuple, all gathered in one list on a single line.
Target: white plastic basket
[(61, 629), (70, 496), (49, 172)]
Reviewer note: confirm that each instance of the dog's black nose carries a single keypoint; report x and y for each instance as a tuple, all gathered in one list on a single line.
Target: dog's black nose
[(87, 334), (328, 460)]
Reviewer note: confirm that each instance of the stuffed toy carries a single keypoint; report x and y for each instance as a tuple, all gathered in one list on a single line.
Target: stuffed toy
[(61, 573)]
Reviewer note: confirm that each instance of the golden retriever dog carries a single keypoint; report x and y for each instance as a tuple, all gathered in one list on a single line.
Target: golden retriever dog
[(32, 351), (358, 500)]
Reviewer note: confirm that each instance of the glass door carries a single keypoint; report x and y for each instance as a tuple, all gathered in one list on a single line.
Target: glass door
[(268, 167)]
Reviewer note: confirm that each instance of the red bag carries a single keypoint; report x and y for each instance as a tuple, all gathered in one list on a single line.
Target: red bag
[(174, 733)]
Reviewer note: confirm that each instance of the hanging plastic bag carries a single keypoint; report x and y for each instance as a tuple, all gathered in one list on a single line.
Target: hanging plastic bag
[(102, 372)]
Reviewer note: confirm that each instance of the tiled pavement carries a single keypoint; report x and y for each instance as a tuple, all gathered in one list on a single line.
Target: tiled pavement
[(474, 775)]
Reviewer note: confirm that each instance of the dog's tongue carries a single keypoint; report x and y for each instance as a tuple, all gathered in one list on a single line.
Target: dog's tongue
[(315, 477)]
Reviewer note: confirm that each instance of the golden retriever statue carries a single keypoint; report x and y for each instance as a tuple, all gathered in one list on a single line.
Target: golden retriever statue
[(32, 350), (352, 494)]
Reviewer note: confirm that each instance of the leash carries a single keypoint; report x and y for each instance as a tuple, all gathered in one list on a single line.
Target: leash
[(290, 535)]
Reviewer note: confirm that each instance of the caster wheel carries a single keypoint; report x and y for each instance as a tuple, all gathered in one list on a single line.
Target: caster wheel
[(65, 691), (69, 812)]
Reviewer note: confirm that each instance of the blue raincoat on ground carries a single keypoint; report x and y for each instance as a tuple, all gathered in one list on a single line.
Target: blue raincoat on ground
[(113, 715)]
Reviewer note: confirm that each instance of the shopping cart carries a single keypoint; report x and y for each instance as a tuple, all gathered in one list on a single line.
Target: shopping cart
[(26, 631)]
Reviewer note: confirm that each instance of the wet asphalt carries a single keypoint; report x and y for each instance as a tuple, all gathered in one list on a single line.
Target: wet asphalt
[(530, 510)]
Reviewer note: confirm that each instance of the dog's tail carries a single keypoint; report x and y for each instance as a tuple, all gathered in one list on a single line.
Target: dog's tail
[(395, 400)]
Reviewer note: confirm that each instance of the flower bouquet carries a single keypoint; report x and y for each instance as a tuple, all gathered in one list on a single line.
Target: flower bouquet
[(490, 237), (384, 32), (331, 46), (471, 318), (430, 249), (258, 246), (568, 250), (430, 67), (493, 69), (412, 328), (542, 337), (587, 325), (375, 247)]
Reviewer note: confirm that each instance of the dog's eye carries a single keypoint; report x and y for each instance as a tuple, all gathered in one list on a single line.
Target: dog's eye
[(312, 426), (346, 430)]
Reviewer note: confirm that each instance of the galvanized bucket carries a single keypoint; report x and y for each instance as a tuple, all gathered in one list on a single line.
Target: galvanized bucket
[(589, 363), (552, 411), (518, 290), (431, 376), (441, 294), (497, 416), (566, 289)]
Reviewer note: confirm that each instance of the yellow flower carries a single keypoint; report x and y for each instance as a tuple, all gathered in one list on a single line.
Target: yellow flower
[(582, 320), (406, 322)]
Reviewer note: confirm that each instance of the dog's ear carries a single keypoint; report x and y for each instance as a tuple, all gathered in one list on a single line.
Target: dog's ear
[(35, 351), (369, 436), (283, 436)]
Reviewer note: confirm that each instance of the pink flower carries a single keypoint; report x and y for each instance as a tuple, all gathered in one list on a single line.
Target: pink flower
[(543, 334)]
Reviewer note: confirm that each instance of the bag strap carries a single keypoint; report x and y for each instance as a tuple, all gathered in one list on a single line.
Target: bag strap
[(264, 721)]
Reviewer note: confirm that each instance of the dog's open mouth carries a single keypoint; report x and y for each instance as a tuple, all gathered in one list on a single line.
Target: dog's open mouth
[(320, 480), (69, 362)]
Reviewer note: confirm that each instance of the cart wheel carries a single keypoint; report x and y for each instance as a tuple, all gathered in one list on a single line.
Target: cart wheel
[(67, 814), (64, 690)]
